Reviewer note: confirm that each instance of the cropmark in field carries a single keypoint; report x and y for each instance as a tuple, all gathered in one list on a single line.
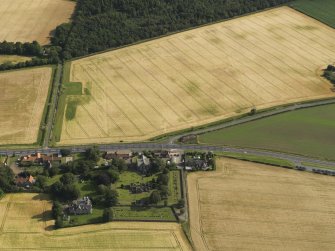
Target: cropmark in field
[(29, 20), (26, 225), (244, 205), (22, 101), (200, 76)]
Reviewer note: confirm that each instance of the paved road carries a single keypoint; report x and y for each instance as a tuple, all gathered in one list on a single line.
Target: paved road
[(170, 144), (53, 105), (156, 146), (265, 114)]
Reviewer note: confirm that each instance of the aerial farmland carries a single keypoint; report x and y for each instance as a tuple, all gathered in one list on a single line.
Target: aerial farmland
[(29, 20), (258, 207), (13, 59), (199, 76), (284, 133), (167, 125), (24, 95), (26, 223)]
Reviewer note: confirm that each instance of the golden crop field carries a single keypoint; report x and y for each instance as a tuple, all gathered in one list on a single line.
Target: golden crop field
[(22, 100), (29, 20), (244, 205), (200, 76), (14, 59), (25, 224)]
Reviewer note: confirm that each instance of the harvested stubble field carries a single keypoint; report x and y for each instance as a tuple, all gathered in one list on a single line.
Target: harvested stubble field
[(25, 224), (251, 206), (29, 20), (22, 100), (200, 76), (14, 59)]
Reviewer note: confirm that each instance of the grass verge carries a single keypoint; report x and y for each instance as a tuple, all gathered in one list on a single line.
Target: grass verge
[(258, 159), (318, 166)]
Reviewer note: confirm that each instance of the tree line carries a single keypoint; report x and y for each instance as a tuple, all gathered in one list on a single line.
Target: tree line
[(40, 55), (98, 25), (102, 24)]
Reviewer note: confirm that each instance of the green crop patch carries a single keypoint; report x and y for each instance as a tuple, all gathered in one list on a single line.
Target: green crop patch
[(74, 88), (71, 109), (322, 10), (308, 132)]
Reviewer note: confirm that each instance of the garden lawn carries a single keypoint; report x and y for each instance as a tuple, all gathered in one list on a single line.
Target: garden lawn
[(95, 217), (144, 213), (174, 187)]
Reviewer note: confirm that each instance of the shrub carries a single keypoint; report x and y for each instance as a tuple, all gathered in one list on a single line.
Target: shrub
[(107, 215), (155, 197)]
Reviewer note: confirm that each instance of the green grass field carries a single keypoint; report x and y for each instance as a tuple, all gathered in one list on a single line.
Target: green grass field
[(144, 213), (308, 132), (174, 187), (259, 159), (318, 166), (322, 10)]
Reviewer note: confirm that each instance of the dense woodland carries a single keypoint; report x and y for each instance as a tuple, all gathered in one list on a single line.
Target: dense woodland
[(102, 24)]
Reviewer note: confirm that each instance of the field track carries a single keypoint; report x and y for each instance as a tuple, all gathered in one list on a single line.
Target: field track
[(28, 20), (22, 100), (25, 224), (200, 76), (257, 207)]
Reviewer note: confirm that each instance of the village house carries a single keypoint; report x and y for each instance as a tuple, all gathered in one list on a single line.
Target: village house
[(175, 156), (79, 207), (161, 154), (39, 158), (25, 181), (121, 154), (197, 164), (68, 159)]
